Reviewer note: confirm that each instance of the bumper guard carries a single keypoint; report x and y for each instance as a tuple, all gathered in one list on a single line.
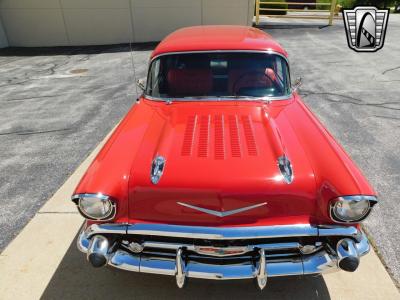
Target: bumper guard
[(323, 259)]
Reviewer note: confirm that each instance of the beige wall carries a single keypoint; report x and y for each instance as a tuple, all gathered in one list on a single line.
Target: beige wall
[(3, 38), (94, 22)]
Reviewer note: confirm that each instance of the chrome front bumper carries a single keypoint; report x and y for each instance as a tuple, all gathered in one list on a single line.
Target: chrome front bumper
[(320, 258)]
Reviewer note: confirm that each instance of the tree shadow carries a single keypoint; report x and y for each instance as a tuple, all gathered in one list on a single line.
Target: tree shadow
[(76, 279)]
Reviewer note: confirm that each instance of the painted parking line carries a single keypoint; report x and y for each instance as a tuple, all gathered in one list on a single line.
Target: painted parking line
[(42, 262)]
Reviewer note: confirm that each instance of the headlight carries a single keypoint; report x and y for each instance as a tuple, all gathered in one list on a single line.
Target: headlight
[(349, 209), (95, 206)]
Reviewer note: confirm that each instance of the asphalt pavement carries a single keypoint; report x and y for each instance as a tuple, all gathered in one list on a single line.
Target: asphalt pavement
[(56, 105), (357, 97)]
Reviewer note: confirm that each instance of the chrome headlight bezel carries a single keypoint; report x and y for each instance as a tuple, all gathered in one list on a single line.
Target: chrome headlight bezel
[(77, 199), (333, 206)]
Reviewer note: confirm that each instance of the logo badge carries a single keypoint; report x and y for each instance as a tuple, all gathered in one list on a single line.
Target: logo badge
[(221, 214), (365, 28), (220, 252)]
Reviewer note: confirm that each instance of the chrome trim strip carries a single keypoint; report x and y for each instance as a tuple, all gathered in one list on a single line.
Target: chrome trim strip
[(194, 99), (223, 233), (280, 98), (97, 195), (105, 229), (221, 214), (336, 230), (221, 51)]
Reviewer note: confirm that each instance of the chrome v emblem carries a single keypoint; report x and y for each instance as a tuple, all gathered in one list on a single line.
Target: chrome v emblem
[(221, 214)]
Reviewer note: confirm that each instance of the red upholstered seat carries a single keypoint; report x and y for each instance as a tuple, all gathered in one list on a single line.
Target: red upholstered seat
[(190, 82), (258, 78)]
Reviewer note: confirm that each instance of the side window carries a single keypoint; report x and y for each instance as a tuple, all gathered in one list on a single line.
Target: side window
[(153, 86), (279, 68), (281, 71)]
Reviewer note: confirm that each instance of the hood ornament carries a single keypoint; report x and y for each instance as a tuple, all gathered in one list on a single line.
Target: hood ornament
[(221, 214), (157, 169), (286, 169)]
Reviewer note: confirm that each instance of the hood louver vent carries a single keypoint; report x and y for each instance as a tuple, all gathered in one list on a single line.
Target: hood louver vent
[(189, 136), (204, 136), (249, 134), (219, 136), (234, 134)]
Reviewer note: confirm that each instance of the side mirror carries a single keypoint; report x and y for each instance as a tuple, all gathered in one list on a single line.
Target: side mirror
[(297, 83), (141, 83)]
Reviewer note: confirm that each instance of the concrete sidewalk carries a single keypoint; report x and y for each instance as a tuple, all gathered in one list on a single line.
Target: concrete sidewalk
[(43, 262)]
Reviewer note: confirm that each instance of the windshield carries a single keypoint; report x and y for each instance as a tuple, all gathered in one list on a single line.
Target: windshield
[(218, 74)]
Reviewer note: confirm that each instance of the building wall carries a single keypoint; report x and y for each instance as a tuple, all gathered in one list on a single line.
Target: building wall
[(3, 37), (93, 22)]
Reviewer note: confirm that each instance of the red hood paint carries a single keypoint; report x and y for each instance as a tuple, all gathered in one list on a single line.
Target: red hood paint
[(222, 155)]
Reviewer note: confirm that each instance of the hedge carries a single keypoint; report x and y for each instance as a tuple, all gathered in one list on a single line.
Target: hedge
[(274, 12)]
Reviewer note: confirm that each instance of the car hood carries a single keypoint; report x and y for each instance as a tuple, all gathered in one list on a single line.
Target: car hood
[(221, 165)]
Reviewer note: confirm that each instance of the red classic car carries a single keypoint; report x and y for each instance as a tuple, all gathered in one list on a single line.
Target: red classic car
[(220, 171)]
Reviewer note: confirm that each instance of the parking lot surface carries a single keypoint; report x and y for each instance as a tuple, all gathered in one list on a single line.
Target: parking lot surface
[(357, 97), (57, 106)]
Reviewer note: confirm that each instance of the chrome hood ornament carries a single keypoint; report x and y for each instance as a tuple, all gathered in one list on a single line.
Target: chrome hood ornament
[(157, 169), (221, 214), (286, 169)]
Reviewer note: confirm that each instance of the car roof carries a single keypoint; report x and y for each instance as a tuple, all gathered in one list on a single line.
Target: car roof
[(218, 37)]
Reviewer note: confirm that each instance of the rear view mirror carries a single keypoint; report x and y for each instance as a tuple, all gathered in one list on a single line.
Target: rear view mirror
[(141, 83), (297, 83)]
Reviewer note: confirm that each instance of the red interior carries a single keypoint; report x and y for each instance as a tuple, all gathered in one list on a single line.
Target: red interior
[(239, 79), (190, 82)]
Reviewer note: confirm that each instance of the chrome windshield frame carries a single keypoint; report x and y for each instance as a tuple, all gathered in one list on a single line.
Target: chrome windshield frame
[(213, 98)]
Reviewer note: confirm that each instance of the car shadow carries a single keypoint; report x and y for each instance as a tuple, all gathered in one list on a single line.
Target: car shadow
[(76, 279)]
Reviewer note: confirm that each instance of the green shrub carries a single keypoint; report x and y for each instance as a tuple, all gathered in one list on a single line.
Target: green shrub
[(376, 3), (326, 7), (347, 4), (274, 12)]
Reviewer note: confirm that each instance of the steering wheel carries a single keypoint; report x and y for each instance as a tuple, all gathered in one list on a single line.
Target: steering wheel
[(253, 73)]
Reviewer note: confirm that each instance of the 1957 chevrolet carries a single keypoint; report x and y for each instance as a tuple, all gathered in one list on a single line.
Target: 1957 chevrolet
[(221, 172)]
